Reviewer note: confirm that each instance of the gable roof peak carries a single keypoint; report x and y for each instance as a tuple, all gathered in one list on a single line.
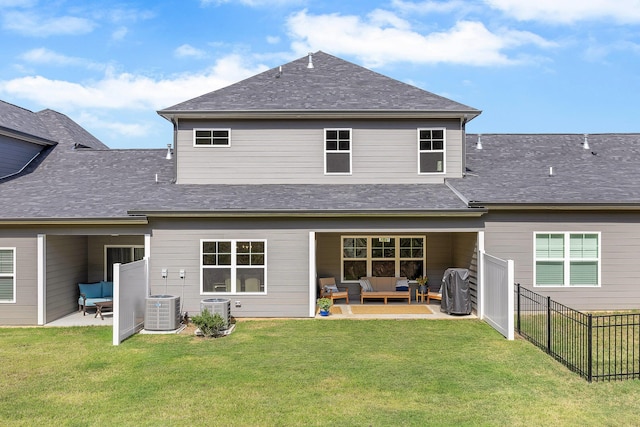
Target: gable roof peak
[(319, 82)]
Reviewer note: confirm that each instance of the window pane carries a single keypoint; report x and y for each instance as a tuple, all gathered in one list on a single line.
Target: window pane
[(216, 280), (549, 246), (549, 273), (411, 269), (257, 259), (344, 145), (425, 145), (6, 261), (584, 246), (220, 133), (338, 162), (584, 273), (243, 259), (257, 247), (251, 279), (138, 254), (208, 247), (431, 162), (437, 134), (6, 288), (208, 260), (383, 268), (332, 134), (344, 134), (354, 270), (224, 247), (425, 134), (203, 134)]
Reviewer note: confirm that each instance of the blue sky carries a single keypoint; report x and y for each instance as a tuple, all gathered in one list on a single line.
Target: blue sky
[(531, 66)]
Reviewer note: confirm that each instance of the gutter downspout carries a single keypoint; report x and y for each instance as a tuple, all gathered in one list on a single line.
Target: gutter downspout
[(174, 121), (23, 168)]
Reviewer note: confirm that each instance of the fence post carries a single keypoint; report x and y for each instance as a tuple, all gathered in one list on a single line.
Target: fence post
[(518, 308), (590, 347), (549, 325)]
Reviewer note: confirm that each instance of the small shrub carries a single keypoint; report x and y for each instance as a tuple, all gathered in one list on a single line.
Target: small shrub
[(210, 325)]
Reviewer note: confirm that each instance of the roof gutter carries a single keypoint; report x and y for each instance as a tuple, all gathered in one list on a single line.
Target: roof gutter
[(139, 220), (461, 213), (319, 114), (548, 206)]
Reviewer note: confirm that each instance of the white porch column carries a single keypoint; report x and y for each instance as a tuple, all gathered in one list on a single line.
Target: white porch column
[(312, 273), (481, 288), (147, 255), (42, 279)]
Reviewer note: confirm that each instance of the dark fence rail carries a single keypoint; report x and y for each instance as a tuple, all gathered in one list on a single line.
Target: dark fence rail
[(596, 347)]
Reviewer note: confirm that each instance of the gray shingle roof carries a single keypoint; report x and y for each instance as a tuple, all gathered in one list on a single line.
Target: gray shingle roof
[(22, 121), (332, 84), (111, 183), (66, 131), (514, 169)]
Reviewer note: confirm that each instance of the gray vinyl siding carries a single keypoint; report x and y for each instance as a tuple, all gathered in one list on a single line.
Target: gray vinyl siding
[(176, 246), (14, 154), (66, 267), (510, 236), (292, 152), (25, 310)]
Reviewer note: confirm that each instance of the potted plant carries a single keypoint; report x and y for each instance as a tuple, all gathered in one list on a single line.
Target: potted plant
[(324, 304), (422, 284)]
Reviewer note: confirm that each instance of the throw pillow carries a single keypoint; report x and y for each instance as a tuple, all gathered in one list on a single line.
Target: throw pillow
[(366, 285), (331, 288)]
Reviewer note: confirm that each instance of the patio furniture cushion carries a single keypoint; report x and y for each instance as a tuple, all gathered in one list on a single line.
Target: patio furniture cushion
[(402, 285), (365, 284), (107, 289), (91, 290), (92, 302)]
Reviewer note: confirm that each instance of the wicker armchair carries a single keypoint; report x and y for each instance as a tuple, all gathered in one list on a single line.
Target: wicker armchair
[(329, 289)]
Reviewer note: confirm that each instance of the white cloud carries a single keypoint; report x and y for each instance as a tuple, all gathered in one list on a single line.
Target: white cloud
[(426, 7), (17, 3), (254, 3), (384, 38), (188, 51), (273, 39), (31, 24), (569, 11), (119, 34), (112, 125), (45, 56), (126, 91)]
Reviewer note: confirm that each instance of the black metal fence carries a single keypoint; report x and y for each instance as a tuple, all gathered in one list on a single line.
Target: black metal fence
[(597, 347)]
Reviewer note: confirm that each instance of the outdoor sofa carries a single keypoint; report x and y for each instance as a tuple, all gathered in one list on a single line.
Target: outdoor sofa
[(92, 293), (384, 288)]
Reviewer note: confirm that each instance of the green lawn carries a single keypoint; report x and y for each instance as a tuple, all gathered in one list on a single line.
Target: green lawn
[(299, 372)]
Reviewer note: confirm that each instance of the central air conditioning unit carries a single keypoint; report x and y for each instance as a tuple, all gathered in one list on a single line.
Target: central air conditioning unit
[(162, 313), (218, 305)]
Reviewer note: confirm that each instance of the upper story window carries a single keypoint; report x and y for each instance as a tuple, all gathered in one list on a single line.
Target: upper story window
[(7, 275), (337, 151), (212, 137), (431, 144), (567, 259)]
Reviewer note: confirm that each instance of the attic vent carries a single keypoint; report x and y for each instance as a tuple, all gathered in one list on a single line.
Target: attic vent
[(585, 144), (550, 170), (479, 142), (310, 65)]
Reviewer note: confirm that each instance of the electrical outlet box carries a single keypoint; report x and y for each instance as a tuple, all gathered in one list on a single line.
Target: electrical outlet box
[(182, 274), (164, 273), (238, 304)]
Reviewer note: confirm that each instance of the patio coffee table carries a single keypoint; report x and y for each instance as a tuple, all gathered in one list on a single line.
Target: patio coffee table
[(103, 307)]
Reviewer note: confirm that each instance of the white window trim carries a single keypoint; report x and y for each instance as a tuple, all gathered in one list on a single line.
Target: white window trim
[(566, 260), (369, 259), (228, 130), (443, 151), (233, 267), (350, 151), (14, 275)]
